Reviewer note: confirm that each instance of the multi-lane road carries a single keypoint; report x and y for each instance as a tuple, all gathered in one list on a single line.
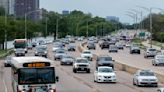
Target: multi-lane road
[(84, 82)]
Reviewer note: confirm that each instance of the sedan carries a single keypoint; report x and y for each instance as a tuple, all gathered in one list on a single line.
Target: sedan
[(104, 74), (145, 78), (68, 60), (159, 59)]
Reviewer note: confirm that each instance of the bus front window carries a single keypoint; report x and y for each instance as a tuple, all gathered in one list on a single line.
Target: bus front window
[(36, 76)]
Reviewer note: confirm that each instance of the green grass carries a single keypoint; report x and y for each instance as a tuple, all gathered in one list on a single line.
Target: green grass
[(156, 43), (136, 40), (2, 52)]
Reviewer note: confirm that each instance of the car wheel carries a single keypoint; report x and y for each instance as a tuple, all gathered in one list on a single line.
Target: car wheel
[(133, 82), (139, 53), (88, 71), (74, 70), (156, 85), (138, 84)]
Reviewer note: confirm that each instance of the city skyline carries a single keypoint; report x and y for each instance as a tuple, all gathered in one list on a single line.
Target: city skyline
[(102, 8)]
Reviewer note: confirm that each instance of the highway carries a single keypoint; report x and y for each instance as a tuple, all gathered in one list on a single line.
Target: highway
[(83, 82)]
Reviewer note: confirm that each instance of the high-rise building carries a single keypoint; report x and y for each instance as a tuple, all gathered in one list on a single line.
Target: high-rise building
[(23, 7), (8, 5), (5, 5), (112, 18)]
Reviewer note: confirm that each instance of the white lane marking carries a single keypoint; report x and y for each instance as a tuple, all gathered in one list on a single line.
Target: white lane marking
[(5, 86)]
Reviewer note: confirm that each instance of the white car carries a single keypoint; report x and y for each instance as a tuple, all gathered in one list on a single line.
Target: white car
[(87, 54), (159, 59), (145, 78), (104, 74), (160, 90), (7, 61), (150, 52), (81, 64)]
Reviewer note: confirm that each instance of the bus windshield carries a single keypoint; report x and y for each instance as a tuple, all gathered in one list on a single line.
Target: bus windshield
[(20, 45), (36, 75)]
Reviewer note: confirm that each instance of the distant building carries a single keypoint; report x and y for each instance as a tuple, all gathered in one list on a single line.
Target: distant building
[(112, 18), (8, 5), (65, 12), (23, 7)]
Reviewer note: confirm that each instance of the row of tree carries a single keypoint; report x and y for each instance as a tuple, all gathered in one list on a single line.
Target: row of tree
[(157, 25), (75, 23)]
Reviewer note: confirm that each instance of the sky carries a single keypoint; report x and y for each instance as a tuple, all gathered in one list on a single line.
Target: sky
[(104, 8)]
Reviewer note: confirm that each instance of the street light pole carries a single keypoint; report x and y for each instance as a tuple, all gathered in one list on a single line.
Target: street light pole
[(56, 28), (46, 28), (5, 31), (151, 28), (25, 26), (87, 29)]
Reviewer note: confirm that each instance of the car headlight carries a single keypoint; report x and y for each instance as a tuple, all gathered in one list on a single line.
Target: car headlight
[(36, 52), (113, 76), (45, 52)]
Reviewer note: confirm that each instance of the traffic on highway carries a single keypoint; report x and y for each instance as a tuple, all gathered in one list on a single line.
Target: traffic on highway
[(64, 65)]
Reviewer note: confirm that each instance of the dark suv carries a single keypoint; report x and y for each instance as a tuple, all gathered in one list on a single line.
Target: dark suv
[(104, 44), (104, 60)]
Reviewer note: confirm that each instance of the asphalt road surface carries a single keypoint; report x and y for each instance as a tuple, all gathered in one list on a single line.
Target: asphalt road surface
[(84, 82)]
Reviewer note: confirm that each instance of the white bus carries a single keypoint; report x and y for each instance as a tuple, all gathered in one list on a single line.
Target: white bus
[(33, 74), (20, 43)]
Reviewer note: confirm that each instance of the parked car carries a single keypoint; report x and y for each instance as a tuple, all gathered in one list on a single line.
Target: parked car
[(91, 46), (134, 49), (81, 64), (20, 52), (67, 60), (41, 51), (150, 52), (145, 78), (113, 48), (104, 60), (87, 54), (71, 47), (7, 61), (158, 60), (58, 54), (104, 74)]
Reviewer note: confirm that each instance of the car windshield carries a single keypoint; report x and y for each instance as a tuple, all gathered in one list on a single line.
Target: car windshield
[(105, 58), (146, 73), (41, 49), (105, 70), (36, 75), (160, 57), (81, 61), (152, 49), (87, 52), (60, 51)]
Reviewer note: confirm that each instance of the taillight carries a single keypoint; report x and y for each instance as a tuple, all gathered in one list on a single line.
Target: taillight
[(54, 90), (19, 90)]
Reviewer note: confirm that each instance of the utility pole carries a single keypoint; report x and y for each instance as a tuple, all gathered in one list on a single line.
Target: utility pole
[(87, 29)]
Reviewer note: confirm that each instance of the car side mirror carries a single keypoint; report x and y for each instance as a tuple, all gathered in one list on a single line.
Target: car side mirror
[(57, 79), (113, 60)]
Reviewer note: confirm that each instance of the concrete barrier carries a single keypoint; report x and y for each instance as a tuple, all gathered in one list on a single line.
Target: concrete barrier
[(124, 67)]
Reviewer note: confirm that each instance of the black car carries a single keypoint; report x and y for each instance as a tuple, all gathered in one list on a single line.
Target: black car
[(135, 49), (91, 46), (104, 44), (104, 60)]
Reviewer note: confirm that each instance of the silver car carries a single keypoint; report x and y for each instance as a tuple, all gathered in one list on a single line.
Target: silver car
[(59, 54), (67, 60), (159, 59), (20, 52), (150, 52), (113, 48), (7, 61)]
